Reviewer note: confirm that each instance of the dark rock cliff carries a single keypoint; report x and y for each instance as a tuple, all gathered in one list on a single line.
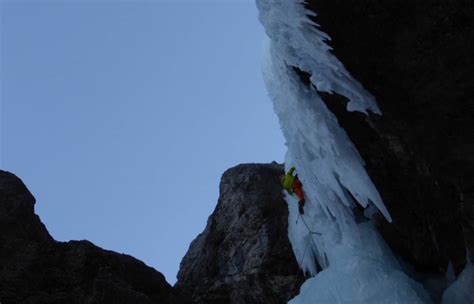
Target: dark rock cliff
[(243, 255), (36, 269), (416, 58)]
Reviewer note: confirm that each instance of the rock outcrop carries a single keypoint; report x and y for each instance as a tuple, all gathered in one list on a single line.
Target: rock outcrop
[(416, 58), (34, 268), (243, 255)]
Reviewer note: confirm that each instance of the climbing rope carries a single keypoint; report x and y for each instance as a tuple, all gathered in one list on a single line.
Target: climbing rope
[(299, 270), (307, 227), (304, 253)]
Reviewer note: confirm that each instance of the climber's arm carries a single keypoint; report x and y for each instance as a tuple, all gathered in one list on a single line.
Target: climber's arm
[(292, 170)]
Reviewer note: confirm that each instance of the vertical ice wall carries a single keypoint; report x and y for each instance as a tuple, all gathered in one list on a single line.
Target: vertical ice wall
[(462, 289), (357, 265)]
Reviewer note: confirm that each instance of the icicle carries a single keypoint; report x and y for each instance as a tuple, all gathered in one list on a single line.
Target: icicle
[(358, 267)]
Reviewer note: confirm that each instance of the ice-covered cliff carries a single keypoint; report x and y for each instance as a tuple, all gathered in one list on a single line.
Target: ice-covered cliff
[(300, 70), (375, 99)]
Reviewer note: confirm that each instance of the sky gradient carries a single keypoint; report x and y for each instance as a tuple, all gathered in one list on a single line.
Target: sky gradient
[(120, 117)]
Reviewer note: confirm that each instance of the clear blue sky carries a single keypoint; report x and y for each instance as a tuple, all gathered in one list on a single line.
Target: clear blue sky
[(121, 117)]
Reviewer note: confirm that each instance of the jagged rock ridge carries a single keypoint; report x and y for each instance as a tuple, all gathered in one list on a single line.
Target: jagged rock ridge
[(34, 268), (243, 256)]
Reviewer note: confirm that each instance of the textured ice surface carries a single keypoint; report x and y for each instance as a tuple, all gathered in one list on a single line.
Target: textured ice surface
[(296, 36), (357, 265), (367, 273), (461, 290)]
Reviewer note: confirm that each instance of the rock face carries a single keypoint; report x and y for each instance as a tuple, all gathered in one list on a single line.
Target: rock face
[(416, 58), (243, 255), (36, 269)]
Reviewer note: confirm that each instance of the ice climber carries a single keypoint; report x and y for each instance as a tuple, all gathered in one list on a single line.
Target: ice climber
[(292, 184)]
